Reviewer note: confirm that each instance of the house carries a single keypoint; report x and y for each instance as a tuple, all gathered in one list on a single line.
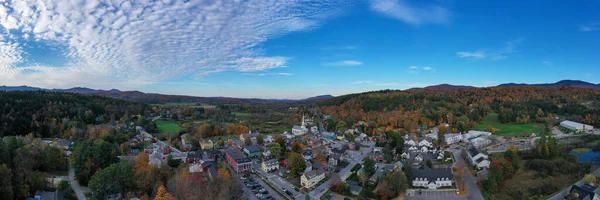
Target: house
[(378, 157), (352, 146), (410, 142), (268, 139), (194, 157), (398, 166), (452, 138), (377, 150), (314, 129), (270, 165), (300, 130), (62, 143), (253, 151), (355, 188), (479, 141), (47, 195), (477, 158), (249, 136), (333, 159), (286, 163), (238, 161), (318, 166), (575, 126), (133, 152), (149, 150), (312, 178), (211, 154), (340, 137), (425, 142), (330, 135), (266, 153), (206, 144), (585, 192), (432, 179), (308, 167)]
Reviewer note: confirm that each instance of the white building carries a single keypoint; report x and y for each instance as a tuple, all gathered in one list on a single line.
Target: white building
[(480, 141), (575, 126), (477, 158), (452, 138), (270, 165), (426, 142), (312, 178), (300, 130), (433, 179), (474, 134)]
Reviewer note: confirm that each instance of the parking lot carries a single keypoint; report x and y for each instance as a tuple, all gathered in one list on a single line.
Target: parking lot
[(442, 195), (258, 189)]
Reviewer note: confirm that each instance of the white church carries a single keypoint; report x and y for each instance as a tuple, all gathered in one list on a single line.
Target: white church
[(300, 130)]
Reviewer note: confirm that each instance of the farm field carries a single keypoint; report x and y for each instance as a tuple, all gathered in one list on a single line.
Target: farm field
[(507, 129), (168, 126)]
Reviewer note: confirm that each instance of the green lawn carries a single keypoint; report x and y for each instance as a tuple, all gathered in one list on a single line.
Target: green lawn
[(240, 114), (168, 126), (507, 129)]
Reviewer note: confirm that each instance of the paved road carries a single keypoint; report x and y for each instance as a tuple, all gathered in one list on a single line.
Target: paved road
[(356, 157), (79, 191), (474, 192)]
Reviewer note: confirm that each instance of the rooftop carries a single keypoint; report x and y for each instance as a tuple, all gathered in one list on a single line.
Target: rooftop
[(474, 151), (433, 174), (314, 173), (271, 162), (252, 148), (236, 154)]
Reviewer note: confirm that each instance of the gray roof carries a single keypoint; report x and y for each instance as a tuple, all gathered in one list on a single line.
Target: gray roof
[(253, 148), (50, 195), (297, 127), (433, 174), (427, 139), (237, 155), (195, 154), (313, 173), (479, 160), (271, 162), (474, 151), (583, 192)]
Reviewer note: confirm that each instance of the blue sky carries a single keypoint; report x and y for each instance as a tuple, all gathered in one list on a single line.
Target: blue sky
[(295, 49)]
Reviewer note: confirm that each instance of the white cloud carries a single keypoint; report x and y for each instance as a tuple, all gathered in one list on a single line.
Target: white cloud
[(109, 43), (474, 55), (285, 74), (416, 14), (509, 49), (361, 82), (385, 84), (547, 63), (416, 69), (589, 27), (349, 47), (342, 63)]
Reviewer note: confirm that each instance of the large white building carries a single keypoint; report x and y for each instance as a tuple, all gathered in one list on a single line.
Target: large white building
[(433, 179), (575, 126), (270, 165), (480, 141), (474, 134), (477, 158), (312, 178), (300, 130), (452, 138)]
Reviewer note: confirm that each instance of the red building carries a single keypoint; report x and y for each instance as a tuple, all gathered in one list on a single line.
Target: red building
[(238, 160), (376, 156)]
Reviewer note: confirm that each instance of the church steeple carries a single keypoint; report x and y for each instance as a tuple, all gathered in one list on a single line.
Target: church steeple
[(303, 121)]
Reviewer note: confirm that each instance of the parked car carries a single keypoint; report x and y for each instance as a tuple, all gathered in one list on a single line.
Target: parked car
[(289, 193)]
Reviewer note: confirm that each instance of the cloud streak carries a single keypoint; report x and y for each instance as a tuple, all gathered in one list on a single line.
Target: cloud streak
[(415, 14), (343, 63), (589, 27), (509, 49), (110, 43)]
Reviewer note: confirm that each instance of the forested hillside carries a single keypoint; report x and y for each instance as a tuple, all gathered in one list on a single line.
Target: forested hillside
[(48, 114), (410, 110)]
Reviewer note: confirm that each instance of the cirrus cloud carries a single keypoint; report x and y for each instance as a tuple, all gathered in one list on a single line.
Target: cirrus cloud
[(110, 43), (342, 63)]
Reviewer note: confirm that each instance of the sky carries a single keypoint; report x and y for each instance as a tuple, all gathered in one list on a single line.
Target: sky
[(295, 49)]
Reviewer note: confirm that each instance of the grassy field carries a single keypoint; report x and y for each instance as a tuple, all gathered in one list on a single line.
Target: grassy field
[(507, 129), (240, 114), (168, 126)]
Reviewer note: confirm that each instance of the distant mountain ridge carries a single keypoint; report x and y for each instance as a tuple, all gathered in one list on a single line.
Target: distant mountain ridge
[(163, 98), (563, 83), (158, 98)]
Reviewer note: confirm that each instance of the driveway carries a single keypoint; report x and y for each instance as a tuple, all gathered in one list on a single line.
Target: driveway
[(79, 190), (474, 192)]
